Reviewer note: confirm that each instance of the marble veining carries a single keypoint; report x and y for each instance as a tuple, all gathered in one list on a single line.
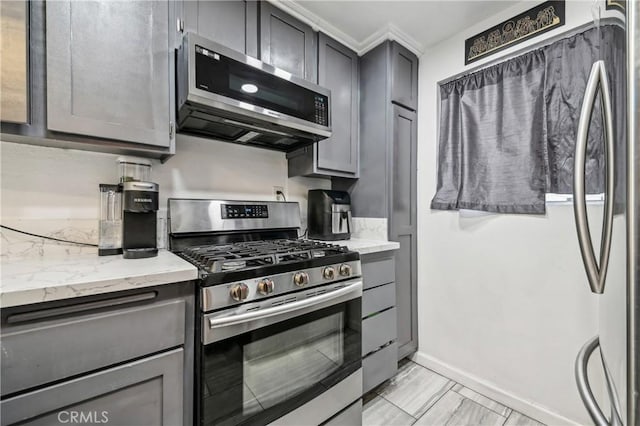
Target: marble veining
[(43, 279), (20, 246), (370, 228), (419, 396)]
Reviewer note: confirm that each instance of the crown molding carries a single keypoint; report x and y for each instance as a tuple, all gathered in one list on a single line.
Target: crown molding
[(317, 23)]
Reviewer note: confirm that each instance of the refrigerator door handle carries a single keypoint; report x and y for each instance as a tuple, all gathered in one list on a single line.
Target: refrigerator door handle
[(584, 388), (596, 271)]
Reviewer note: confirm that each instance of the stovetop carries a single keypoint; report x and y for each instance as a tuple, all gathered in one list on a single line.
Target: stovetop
[(253, 254), (221, 263)]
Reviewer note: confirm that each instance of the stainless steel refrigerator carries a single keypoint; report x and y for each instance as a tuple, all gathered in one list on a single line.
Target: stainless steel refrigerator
[(613, 271)]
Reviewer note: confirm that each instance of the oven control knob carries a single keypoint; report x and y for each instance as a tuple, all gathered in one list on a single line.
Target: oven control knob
[(239, 292), (345, 270), (265, 287), (329, 273), (301, 278)]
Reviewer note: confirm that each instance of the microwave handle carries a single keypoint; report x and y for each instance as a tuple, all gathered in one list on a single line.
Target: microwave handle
[(354, 289)]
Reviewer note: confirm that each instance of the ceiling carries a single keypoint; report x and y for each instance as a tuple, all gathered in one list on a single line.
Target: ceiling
[(419, 24)]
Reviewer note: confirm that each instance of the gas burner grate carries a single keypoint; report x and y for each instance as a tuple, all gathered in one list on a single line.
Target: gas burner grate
[(254, 254)]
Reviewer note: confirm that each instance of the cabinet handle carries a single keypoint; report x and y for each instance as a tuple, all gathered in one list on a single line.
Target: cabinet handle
[(81, 307)]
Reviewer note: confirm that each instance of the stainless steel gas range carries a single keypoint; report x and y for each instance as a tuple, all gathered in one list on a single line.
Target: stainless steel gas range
[(279, 318)]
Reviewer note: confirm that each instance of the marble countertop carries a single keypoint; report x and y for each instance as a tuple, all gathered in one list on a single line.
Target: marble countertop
[(44, 279), (370, 246), (363, 246)]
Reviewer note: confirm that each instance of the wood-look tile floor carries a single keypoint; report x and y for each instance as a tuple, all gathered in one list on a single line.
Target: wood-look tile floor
[(419, 396)]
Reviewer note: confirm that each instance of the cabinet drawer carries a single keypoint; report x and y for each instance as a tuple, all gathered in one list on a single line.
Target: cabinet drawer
[(37, 353), (378, 272), (378, 330), (145, 392), (378, 298), (379, 366)]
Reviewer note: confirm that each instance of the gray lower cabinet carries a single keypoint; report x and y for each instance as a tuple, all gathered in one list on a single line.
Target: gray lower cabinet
[(108, 70), (288, 43), (339, 154), (379, 317), (144, 392), (388, 168), (127, 354), (233, 23)]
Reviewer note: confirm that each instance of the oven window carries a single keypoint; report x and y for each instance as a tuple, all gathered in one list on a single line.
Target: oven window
[(261, 375)]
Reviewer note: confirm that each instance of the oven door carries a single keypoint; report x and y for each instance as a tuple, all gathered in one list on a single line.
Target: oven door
[(258, 363)]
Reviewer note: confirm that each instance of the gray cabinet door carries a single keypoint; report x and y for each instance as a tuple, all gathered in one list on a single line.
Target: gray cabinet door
[(143, 392), (338, 72), (404, 77), (233, 23), (402, 226), (109, 70), (288, 43)]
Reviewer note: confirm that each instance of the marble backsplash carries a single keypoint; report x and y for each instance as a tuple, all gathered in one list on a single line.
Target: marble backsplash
[(370, 228), (15, 245)]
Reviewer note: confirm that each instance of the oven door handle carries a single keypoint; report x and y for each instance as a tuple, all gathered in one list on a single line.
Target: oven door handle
[(354, 289)]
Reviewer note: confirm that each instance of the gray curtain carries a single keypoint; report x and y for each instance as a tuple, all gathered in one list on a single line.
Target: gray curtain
[(492, 154), (507, 133), (568, 63)]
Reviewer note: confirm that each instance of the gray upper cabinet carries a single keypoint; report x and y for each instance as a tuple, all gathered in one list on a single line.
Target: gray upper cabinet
[(404, 77), (339, 154), (287, 43), (14, 19), (233, 23), (109, 70)]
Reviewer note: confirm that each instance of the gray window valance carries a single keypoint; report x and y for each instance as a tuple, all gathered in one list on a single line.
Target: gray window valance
[(507, 132)]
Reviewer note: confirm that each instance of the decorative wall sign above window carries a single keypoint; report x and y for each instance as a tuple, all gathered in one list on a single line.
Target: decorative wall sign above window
[(537, 20), (617, 4)]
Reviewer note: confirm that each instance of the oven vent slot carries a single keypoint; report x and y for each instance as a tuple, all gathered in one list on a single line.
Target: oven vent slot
[(278, 303), (253, 308)]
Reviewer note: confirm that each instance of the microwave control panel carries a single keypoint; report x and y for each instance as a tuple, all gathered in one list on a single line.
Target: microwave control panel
[(245, 211), (321, 110)]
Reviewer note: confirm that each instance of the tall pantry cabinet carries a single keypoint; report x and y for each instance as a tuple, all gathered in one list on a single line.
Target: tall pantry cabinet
[(387, 184)]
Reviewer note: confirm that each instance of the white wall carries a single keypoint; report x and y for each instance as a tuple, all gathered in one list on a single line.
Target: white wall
[(43, 187), (503, 300)]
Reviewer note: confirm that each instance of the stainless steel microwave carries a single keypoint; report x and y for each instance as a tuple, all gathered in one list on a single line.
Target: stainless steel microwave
[(226, 95)]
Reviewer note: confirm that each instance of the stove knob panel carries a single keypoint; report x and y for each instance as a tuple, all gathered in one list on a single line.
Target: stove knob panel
[(239, 292), (329, 273), (265, 287), (345, 270), (301, 278)]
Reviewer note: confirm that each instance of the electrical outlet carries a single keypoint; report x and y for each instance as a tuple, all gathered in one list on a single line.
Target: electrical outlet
[(278, 193)]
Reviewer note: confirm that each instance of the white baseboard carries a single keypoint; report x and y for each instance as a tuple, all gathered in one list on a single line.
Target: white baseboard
[(492, 391)]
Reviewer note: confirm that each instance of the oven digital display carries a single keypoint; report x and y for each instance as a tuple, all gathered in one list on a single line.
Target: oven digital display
[(245, 211)]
